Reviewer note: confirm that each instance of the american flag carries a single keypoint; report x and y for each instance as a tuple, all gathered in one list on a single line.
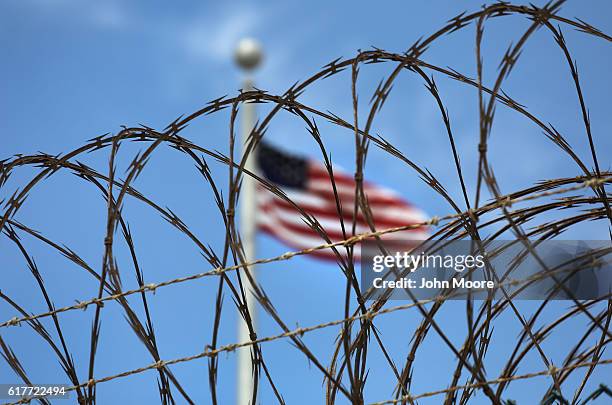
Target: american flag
[(308, 184)]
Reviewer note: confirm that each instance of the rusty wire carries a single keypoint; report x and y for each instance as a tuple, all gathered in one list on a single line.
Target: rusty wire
[(346, 372)]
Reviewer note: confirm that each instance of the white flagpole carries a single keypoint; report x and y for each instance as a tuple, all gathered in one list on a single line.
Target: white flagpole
[(248, 55)]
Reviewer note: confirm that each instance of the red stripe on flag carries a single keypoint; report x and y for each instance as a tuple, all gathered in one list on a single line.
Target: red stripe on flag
[(282, 220)]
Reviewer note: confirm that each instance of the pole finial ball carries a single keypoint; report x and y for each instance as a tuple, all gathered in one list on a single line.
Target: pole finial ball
[(248, 53)]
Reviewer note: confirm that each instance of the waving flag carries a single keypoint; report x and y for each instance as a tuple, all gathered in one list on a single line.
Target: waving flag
[(308, 184)]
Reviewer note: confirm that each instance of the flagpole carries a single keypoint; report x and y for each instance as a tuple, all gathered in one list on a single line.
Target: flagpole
[(248, 55)]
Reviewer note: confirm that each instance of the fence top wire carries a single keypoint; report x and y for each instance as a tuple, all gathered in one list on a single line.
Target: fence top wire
[(152, 287), (161, 363), (351, 348), (550, 371), (369, 317)]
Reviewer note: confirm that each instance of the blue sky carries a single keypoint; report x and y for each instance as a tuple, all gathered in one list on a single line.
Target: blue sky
[(73, 70)]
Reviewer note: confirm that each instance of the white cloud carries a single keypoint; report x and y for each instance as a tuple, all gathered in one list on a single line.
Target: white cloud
[(104, 14), (215, 37), (109, 15)]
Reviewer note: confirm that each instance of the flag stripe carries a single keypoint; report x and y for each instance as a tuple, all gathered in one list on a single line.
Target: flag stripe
[(298, 241), (307, 184), (332, 228), (320, 209)]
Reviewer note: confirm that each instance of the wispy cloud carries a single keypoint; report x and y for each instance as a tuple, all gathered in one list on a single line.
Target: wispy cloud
[(214, 37), (108, 14)]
